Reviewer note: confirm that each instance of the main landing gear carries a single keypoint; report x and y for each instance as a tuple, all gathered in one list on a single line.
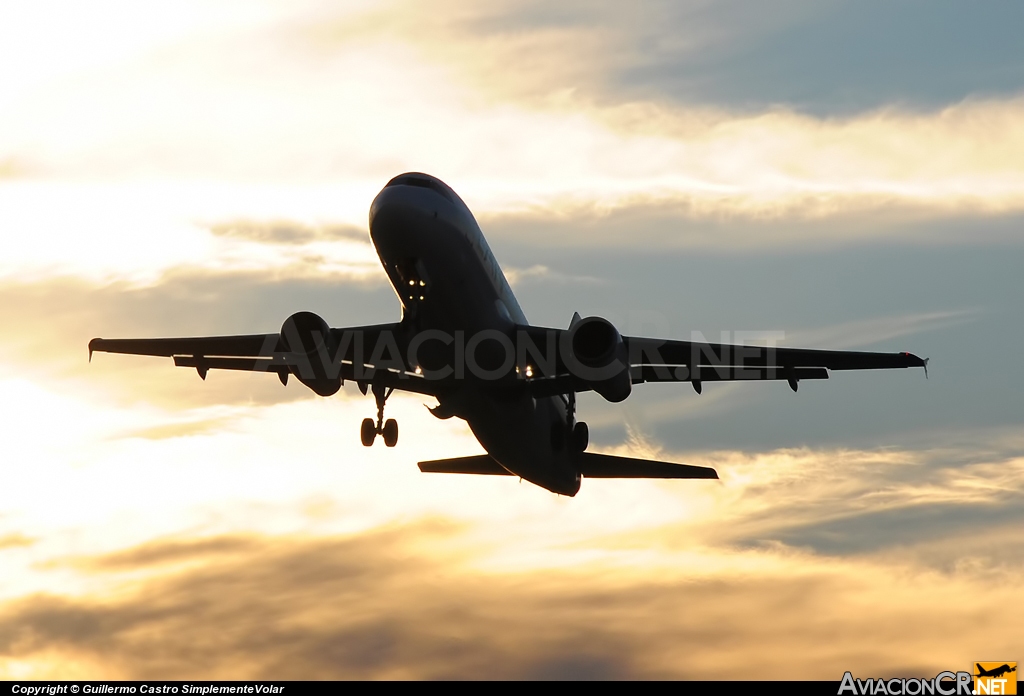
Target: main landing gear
[(574, 435), (579, 433), (388, 429), (580, 437)]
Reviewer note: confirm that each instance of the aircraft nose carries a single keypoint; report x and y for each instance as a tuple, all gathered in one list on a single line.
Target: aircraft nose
[(409, 200), (424, 181)]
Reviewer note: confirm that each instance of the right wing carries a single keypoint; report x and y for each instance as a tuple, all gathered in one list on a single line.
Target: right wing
[(253, 352), (363, 354)]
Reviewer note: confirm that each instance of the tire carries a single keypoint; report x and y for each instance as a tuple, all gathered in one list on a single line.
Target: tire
[(368, 432), (390, 432), (580, 437)]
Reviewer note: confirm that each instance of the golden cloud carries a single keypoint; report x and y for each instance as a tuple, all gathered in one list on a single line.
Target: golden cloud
[(377, 606), (240, 127)]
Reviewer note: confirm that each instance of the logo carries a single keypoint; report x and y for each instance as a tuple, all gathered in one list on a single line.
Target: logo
[(943, 684), (995, 678)]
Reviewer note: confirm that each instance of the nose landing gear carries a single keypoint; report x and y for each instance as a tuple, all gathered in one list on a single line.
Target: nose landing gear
[(388, 429)]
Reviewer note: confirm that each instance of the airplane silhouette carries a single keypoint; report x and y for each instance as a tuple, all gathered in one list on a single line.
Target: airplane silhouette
[(464, 340), (995, 671)]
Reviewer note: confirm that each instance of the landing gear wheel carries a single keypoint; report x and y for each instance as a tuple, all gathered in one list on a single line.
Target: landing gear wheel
[(390, 432), (368, 432), (580, 437), (370, 429)]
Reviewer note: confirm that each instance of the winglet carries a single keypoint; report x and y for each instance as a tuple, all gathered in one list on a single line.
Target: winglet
[(92, 347), (576, 318), (914, 361)]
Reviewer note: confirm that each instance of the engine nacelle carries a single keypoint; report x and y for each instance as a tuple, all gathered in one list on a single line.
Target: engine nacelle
[(308, 337), (598, 357)]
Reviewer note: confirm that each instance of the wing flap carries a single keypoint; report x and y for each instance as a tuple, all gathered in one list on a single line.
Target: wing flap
[(563, 384), (729, 373), (247, 364)]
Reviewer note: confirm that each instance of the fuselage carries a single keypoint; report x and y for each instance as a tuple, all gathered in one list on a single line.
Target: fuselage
[(447, 280)]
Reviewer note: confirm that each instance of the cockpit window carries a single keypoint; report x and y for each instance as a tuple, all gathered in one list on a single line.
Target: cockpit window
[(422, 182)]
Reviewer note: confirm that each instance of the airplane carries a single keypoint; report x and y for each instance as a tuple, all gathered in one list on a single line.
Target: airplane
[(464, 340), (995, 672)]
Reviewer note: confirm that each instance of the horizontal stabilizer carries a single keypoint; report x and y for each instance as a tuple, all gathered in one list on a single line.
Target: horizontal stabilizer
[(590, 466), (482, 464), (607, 466)]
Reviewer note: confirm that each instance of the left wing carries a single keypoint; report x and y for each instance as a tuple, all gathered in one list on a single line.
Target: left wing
[(662, 360), (688, 361), (652, 351)]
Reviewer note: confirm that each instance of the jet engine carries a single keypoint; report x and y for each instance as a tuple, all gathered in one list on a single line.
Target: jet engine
[(308, 337), (598, 357)]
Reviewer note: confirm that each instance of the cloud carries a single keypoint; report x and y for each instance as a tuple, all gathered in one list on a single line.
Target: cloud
[(13, 541), (827, 59), (883, 503), (180, 429), (647, 226), (284, 232), (844, 57), (138, 231), (856, 334), (267, 123), (160, 552), (540, 273), (279, 611), (13, 168), (374, 606)]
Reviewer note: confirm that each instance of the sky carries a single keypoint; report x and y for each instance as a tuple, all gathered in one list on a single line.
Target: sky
[(845, 175)]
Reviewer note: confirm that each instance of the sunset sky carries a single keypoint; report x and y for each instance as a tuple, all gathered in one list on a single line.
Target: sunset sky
[(848, 175)]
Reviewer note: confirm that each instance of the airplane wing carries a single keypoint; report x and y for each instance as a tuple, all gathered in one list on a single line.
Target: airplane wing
[(664, 352), (656, 360), (352, 353), (253, 346), (662, 360), (322, 358)]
